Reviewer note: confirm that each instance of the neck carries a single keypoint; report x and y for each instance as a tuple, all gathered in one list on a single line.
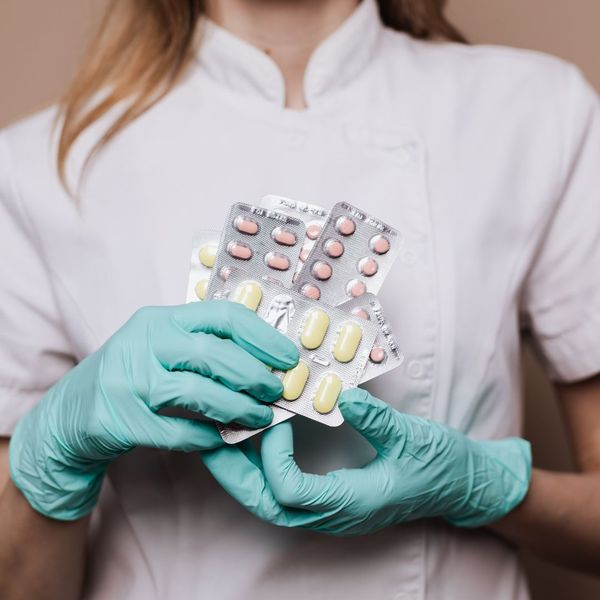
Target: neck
[(287, 30)]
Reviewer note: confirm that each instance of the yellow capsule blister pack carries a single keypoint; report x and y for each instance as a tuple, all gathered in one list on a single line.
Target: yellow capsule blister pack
[(202, 262), (385, 354), (333, 345)]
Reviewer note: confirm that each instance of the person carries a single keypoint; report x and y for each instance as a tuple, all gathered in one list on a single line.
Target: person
[(486, 160)]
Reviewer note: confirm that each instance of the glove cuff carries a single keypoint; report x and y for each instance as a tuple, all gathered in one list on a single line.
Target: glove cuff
[(500, 480), (55, 490)]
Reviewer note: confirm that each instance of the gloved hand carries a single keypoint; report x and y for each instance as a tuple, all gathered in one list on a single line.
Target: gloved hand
[(206, 357), (422, 469)]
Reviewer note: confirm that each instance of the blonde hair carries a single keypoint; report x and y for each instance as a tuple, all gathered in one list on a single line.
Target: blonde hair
[(144, 46)]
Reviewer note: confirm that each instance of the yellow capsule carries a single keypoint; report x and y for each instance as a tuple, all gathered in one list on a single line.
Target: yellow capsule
[(248, 293), (294, 381), (201, 288), (347, 342), (327, 393), (314, 329), (207, 254)]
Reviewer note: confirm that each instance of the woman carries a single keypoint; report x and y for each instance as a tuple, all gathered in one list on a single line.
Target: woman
[(486, 160)]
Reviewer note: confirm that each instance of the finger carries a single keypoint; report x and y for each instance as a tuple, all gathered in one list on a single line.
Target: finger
[(291, 487), (243, 479), (221, 360), (234, 321), (174, 433), (379, 423), (209, 398), (251, 453)]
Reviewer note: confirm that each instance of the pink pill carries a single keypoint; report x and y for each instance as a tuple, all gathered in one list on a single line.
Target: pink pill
[(311, 291), (355, 288), (333, 248), (246, 225), (282, 236), (277, 261), (239, 250), (345, 225), (321, 270), (368, 267), (377, 355), (379, 244), (313, 231), (361, 313), (304, 253)]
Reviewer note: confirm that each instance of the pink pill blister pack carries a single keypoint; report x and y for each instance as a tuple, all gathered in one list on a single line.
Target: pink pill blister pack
[(352, 256), (314, 218), (263, 242)]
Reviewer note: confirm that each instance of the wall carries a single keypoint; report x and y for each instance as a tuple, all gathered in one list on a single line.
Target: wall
[(41, 41)]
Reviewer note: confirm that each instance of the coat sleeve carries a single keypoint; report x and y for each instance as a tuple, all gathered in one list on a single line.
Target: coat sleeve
[(561, 296), (34, 348)]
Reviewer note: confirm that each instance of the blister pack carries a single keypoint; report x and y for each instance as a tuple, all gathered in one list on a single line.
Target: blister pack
[(263, 242), (204, 253), (385, 354), (334, 346), (352, 256), (234, 434), (314, 218)]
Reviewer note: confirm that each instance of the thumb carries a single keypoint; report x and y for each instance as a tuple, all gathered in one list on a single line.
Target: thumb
[(379, 423)]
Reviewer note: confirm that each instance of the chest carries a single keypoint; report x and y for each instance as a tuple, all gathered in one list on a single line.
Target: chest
[(131, 243)]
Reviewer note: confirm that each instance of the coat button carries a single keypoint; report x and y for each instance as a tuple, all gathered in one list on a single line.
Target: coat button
[(296, 138), (415, 369), (403, 156), (408, 257)]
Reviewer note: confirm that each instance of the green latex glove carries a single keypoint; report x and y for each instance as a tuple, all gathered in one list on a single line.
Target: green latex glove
[(422, 469), (206, 357)]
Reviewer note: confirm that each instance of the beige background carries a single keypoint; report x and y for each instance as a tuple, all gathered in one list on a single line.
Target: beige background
[(41, 41)]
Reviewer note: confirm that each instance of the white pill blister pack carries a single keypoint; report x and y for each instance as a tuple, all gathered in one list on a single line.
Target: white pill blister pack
[(314, 218), (261, 241), (204, 254), (333, 345), (352, 256)]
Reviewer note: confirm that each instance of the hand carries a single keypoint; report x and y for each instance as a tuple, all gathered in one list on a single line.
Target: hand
[(206, 357), (422, 469)]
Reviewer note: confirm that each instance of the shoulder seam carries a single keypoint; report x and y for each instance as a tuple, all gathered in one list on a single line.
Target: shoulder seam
[(18, 203), (510, 52)]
